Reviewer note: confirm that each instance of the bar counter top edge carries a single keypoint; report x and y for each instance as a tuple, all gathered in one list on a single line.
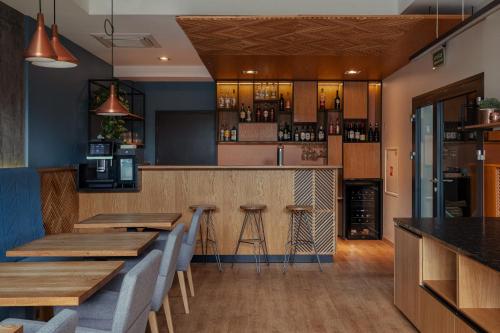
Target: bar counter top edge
[(237, 167)]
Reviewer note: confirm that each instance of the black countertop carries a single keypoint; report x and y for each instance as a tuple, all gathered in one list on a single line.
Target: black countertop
[(478, 238)]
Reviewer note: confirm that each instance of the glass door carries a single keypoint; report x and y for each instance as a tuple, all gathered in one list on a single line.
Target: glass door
[(448, 173), (424, 162)]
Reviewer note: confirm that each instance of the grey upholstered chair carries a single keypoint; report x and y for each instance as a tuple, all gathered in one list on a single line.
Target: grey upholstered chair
[(125, 311), (63, 322), (171, 248), (185, 256)]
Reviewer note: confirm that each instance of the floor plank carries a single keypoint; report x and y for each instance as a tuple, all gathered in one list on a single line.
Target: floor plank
[(353, 294)]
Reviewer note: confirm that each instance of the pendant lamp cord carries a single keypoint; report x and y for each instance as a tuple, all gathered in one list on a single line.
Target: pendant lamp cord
[(109, 29), (54, 11), (437, 19), (39, 6)]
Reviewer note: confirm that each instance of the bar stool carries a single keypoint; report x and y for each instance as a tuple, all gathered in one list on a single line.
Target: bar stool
[(209, 236), (299, 233), (254, 224)]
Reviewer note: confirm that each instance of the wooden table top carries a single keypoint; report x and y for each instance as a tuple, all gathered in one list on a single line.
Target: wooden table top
[(163, 221), (116, 244), (4, 328), (53, 283)]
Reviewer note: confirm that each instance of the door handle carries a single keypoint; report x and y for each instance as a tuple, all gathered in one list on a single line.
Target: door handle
[(435, 180)]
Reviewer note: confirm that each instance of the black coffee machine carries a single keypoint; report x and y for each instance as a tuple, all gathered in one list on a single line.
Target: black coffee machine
[(109, 166)]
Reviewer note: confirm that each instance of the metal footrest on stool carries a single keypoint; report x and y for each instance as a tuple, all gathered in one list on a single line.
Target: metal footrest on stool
[(253, 223), (298, 229)]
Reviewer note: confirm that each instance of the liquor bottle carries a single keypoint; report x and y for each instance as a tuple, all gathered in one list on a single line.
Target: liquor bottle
[(282, 103), (243, 114), (281, 134), (376, 133), (221, 133), (321, 133), (288, 134), (322, 99), (313, 135), (265, 114), (370, 133), (296, 135), (271, 115), (249, 114), (227, 134), (234, 134), (351, 133), (356, 132), (337, 102), (288, 103), (362, 133), (233, 100), (337, 126), (330, 128), (347, 129), (258, 115), (307, 134), (302, 134)]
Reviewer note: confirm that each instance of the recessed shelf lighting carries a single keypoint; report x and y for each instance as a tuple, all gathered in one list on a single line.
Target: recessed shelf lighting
[(250, 71), (352, 72), (163, 58)]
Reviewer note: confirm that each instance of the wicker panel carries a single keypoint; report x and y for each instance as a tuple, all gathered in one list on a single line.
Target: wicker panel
[(59, 200)]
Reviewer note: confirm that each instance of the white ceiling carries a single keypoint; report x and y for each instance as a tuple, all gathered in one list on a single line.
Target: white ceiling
[(77, 19)]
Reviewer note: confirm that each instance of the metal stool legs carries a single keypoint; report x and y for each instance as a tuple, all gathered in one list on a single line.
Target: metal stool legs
[(253, 223), (294, 238), (210, 237)]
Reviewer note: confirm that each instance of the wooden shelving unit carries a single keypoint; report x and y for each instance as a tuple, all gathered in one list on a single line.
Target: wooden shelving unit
[(470, 287)]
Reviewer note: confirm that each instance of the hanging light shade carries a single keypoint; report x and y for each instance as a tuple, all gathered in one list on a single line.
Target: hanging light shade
[(40, 49), (112, 106), (64, 58)]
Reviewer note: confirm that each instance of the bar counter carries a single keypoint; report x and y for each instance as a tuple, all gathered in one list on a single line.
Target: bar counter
[(174, 188)]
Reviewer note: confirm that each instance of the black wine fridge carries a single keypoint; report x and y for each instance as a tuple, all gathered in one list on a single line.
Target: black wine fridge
[(362, 210)]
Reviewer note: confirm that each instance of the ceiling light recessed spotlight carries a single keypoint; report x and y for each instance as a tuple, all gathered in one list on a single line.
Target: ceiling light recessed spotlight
[(250, 71), (352, 72), (163, 58)]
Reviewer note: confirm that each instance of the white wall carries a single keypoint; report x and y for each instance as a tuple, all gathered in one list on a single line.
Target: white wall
[(474, 51)]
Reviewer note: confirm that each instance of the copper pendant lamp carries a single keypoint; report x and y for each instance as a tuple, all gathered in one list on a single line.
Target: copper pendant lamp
[(40, 48), (64, 58), (112, 106)]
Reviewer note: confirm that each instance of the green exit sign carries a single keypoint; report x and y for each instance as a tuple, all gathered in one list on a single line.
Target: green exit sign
[(438, 58)]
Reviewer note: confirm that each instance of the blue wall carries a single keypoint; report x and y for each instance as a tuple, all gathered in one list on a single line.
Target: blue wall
[(56, 106), (173, 96)]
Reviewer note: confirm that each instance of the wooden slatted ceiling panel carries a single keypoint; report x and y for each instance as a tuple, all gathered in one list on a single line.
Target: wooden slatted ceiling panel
[(244, 40)]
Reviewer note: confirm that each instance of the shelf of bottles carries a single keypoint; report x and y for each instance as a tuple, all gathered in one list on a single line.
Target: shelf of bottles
[(330, 105), (253, 102)]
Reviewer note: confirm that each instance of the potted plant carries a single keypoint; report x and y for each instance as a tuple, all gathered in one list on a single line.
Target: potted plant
[(112, 128), (489, 110)]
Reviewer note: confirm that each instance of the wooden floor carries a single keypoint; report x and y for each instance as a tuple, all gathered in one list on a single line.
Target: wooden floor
[(353, 294)]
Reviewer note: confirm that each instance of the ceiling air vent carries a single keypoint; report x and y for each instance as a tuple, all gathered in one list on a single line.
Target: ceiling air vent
[(128, 40)]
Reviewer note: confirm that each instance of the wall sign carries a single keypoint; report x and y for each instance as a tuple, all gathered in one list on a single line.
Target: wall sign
[(438, 58)]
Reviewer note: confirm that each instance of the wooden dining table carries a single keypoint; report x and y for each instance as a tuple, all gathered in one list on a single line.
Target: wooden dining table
[(161, 221), (64, 283), (116, 244)]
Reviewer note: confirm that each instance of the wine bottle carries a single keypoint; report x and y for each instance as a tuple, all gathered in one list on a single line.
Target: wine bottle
[(362, 135), (376, 134), (281, 134), (288, 103), (221, 133), (258, 115), (337, 101), (302, 134), (234, 134), (351, 133), (337, 126), (282, 103), (322, 99), (243, 114), (265, 114), (249, 114), (370, 133), (356, 132), (330, 128), (271, 115), (296, 135)]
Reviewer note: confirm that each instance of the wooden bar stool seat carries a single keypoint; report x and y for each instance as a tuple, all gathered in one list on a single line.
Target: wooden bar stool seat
[(209, 236), (253, 226), (299, 208), (253, 207)]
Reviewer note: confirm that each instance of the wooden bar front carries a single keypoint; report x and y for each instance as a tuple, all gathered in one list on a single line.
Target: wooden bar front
[(174, 189)]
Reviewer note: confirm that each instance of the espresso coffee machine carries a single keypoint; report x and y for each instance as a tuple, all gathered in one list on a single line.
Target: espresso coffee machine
[(99, 172), (109, 166)]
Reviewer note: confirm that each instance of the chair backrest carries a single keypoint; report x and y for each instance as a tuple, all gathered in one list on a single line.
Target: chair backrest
[(64, 322), (168, 265), (20, 209), (134, 301), (193, 228)]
